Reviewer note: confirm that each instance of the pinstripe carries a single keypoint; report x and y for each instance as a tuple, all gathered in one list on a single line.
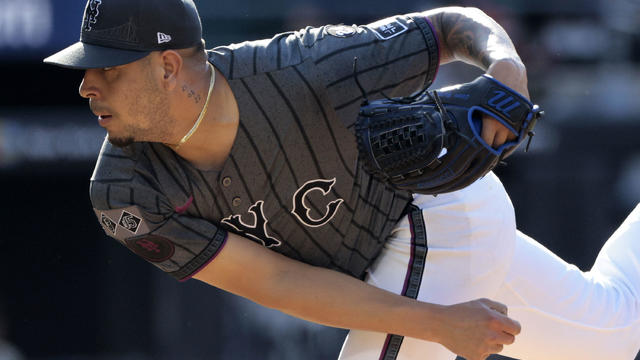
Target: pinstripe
[(279, 53), (157, 204), (255, 62), (273, 130), (297, 121), (151, 169), (175, 263), (108, 195), (189, 183), (168, 171), (231, 60), (178, 245), (187, 227), (326, 120), (374, 91), (212, 193), (376, 67)]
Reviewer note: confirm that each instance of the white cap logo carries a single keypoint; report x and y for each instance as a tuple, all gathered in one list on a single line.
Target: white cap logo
[(163, 38)]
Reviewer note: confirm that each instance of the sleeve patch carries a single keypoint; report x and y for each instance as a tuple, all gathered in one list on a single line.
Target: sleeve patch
[(130, 221), (341, 31), (387, 28), (108, 224), (122, 223), (152, 248)]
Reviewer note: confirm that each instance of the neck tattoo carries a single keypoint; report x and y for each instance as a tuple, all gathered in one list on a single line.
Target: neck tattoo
[(203, 112)]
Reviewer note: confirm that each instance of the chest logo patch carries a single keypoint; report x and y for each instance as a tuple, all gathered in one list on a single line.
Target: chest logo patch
[(302, 210), (387, 28), (257, 231), (341, 31)]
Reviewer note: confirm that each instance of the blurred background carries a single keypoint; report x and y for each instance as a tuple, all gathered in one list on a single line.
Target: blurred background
[(69, 292)]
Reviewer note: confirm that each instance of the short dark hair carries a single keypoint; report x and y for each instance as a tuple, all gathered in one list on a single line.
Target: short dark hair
[(196, 52)]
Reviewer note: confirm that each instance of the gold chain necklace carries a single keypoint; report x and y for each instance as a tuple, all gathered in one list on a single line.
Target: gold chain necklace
[(202, 112)]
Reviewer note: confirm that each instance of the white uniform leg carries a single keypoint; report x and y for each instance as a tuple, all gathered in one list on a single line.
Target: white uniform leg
[(569, 314), (565, 313), (470, 237)]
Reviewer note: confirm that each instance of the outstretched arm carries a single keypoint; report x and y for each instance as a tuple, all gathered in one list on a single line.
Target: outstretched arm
[(473, 330), (471, 36)]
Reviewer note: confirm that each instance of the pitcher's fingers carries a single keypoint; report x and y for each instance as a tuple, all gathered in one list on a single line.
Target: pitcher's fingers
[(500, 138), (488, 129), (499, 307), (505, 339), (511, 326)]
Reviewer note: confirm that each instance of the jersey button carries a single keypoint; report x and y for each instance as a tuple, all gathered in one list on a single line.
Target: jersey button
[(226, 181), (236, 201)]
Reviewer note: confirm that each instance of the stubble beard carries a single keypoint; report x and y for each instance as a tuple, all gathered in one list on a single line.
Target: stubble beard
[(149, 105), (121, 142)]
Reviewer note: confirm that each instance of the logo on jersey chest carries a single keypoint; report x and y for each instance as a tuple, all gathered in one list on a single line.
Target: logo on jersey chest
[(257, 230), (302, 211)]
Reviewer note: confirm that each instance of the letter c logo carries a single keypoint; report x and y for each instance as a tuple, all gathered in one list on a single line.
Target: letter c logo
[(301, 210)]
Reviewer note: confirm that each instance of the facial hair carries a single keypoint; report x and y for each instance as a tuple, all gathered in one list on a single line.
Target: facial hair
[(121, 142), (151, 108)]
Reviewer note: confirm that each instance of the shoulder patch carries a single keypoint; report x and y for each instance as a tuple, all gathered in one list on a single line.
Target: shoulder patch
[(387, 28), (341, 31), (129, 221), (108, 224), (122, 223), (152, 248)]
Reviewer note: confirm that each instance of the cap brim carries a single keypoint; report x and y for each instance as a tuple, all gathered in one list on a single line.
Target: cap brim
[(87, 56)]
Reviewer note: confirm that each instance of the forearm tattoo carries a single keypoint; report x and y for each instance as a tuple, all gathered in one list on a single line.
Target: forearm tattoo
[(473, 37)]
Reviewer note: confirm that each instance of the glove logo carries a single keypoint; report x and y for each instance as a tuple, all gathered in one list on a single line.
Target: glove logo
[(91, 14), (302, 211), (257, 231), (502, 105)]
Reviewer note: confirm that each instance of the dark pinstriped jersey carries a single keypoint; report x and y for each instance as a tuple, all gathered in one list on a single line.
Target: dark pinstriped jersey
[(292, 181)]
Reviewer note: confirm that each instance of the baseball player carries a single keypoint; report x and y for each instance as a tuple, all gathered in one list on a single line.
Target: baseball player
[(238, 166)]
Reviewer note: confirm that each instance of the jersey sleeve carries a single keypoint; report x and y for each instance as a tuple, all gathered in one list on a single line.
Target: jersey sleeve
[(133, 209), (396, 56)]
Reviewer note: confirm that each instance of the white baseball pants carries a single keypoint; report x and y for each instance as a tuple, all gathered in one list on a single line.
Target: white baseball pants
[(474, 251)]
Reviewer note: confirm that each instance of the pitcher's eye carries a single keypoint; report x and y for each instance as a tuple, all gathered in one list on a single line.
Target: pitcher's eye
[(108, 68)]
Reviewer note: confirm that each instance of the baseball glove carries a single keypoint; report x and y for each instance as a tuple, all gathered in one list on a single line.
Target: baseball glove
[(431, 143)]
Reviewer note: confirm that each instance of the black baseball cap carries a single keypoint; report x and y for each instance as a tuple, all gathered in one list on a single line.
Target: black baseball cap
[(117, 32)]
